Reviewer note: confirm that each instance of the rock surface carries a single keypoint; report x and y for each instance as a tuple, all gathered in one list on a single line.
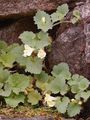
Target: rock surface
[(17, 8), (73, 45), (11, 31)]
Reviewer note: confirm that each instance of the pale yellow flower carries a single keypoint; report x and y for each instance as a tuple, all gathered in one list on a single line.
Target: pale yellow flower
[(50, 100), (43, 19), (74, 100), (80, 102), (41, 54), (27, 51)]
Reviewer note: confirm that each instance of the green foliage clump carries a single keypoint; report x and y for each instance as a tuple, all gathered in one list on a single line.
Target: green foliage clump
[(23, 79)]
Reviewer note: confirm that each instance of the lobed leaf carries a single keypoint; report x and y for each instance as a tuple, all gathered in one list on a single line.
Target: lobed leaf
[(43, 21), (62, 70), (5, 91), (37, 41), (13, 100), (56, 85), (18, 82), (62, 104), (34, 97), (73, 109)]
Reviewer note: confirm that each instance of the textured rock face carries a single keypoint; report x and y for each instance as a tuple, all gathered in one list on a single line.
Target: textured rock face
[(17, 8), (73, 46), (11, 31)]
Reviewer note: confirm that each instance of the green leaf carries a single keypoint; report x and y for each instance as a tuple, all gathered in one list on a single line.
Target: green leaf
[(62, 104), (57, 69), (78, 96), (43, 76), (85, 95), (62, 70), (43, 21), (41, 80), (78, 83), (76, 13), (74, 80), (6, 91), (18, 82), (56, 16), (32, 65), (76, 17), (42, 40), (1, 65), (37, 41), (62, 11), (8, 57), (57, 85), (65, 90), (14, 100), (83, 84), (28, 38), (75, 89), (73, 109), (3, 46), (4, 74), (1, 85), (15, 49), (34, 97)]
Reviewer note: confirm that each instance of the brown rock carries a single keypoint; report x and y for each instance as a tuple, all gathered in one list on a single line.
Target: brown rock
[(11, 31), (17, 8)]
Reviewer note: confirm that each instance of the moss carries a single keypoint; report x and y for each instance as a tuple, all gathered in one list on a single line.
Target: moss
[(28, 111)]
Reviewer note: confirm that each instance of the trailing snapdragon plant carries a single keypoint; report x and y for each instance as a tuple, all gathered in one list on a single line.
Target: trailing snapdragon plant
[(22, 79)]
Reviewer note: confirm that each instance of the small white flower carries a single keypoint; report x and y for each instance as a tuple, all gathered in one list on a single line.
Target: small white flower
[(50, 100), (41, 54), (28, 50)]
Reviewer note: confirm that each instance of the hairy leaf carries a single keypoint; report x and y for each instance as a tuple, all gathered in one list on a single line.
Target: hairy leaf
[(3, 46), (62, 104), (14, 100), (37, 41), (4, 74), (6, 91), (41, 80), (83, 84), (32, 65), (62, 70), (76, 13), (57, 85), (8, 57), (73, 109), (63, 9), (18, 82), (43, 21), (85, 95), (34, 97)]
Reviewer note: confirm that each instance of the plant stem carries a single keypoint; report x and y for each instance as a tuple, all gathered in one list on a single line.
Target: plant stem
[(61, 22)]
